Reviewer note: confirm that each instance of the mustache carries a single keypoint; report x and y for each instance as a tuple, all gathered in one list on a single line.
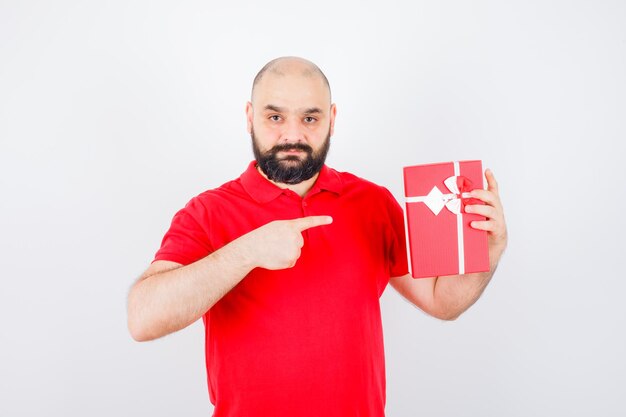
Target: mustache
[(292, 147)]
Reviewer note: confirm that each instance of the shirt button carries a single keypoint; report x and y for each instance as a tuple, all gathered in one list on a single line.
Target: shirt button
[(304, 204)]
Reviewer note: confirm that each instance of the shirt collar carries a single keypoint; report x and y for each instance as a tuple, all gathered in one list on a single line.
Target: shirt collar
[(263, 191)]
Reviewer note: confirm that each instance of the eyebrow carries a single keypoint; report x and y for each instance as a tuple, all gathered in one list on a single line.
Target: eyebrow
[(313, 110), (309, 110)]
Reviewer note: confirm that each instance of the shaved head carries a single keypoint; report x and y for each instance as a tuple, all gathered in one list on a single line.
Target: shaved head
[(290, 65), (290, 118)]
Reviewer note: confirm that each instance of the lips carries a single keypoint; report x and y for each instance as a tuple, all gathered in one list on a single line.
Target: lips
[(292, 148)]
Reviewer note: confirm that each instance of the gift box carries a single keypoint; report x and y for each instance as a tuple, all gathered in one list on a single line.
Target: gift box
[(441, 241)]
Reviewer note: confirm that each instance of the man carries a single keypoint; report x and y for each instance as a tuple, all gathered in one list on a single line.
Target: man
[(287, 263)]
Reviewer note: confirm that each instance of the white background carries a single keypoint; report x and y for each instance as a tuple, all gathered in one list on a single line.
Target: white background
[(114, 114)]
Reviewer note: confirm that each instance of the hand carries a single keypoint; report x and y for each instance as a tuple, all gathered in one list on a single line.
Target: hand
[(493, 211), (277, 245)]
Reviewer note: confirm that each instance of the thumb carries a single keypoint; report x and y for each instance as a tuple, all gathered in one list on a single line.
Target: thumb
[(311, 221), (492, 184)]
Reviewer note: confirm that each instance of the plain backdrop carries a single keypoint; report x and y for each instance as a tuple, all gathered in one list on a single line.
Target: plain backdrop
[(114, 114)]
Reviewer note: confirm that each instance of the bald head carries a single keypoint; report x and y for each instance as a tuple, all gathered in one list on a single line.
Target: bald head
[(290, 66)]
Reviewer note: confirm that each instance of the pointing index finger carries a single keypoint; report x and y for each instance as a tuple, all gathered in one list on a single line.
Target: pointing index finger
[(304, 223)]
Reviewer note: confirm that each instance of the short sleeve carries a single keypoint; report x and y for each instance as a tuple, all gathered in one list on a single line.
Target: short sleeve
[(187, 239), (397, 252)]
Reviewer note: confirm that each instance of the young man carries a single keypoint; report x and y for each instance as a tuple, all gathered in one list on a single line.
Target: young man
[(286, 265)]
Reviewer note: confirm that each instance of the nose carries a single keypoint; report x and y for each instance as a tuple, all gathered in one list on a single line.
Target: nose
[(293, 132)]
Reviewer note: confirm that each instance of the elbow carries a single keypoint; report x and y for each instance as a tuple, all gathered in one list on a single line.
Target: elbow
[(448, 315), (446, 311), (140, 331), (136, 321), (137, 331), (137, 327), (144, 329)]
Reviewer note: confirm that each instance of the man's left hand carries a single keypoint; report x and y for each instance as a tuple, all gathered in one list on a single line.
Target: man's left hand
[(493, 211)]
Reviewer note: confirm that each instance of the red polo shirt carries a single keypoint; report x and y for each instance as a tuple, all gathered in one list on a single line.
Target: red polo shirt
[(303, 341)]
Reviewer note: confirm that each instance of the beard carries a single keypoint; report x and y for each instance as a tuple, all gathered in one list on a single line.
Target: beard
[(290, 169)]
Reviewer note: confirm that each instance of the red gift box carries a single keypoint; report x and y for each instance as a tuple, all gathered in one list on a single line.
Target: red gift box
[(441, 241)]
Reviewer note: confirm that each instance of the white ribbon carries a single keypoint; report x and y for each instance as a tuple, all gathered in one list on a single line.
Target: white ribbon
[(436, 201)]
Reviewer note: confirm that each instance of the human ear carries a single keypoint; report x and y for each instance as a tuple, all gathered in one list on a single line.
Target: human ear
[(333, 113), (249, 116)]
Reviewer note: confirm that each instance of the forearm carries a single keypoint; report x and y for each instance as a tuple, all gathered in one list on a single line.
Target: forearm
[(454, 294), (171, 300), (447, 297)]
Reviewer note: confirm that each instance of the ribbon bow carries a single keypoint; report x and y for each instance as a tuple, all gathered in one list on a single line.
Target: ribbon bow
[(459, 187)]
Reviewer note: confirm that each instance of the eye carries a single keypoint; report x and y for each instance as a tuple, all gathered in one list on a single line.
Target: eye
[(275, 117), (309, 119)]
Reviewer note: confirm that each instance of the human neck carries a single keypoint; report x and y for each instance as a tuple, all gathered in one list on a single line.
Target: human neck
[(301, 188)]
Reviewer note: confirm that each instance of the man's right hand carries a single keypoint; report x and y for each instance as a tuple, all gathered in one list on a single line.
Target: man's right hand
[(170, 296), (278, 244)]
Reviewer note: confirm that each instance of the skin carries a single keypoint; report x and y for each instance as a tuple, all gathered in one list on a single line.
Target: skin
[(291, 103), (169, 296), (448, 297)]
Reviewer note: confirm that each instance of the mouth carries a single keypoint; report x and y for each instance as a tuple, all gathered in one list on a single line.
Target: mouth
[(292, 151), (295, 152)]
